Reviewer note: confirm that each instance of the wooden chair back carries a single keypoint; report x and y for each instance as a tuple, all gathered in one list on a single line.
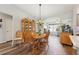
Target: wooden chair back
[(65, 39), (28, 37), (19, 34)]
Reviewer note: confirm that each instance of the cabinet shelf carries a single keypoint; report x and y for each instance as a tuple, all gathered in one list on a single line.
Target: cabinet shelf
[(28, 25)]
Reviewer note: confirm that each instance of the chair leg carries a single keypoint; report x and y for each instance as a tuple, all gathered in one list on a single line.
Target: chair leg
[(33, 50)]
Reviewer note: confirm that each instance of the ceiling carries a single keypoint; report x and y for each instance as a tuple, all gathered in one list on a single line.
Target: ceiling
[(47, 10)]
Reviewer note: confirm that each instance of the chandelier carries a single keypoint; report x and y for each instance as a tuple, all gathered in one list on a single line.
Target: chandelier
[(40, 20)]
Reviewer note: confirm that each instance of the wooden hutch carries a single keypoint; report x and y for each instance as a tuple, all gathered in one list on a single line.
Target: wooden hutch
[(28, 26)]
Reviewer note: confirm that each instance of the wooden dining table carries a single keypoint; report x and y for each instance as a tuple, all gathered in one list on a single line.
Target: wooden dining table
[(37, 41)]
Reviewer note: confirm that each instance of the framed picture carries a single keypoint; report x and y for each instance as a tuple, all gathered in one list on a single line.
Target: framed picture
[(0, 25), (0, 20)]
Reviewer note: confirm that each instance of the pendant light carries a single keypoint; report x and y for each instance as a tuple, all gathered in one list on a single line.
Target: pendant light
[(39, 13), (40, 21)]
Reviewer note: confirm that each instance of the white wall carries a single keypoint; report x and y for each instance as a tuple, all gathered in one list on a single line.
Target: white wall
[(5, 28), (17, 15)]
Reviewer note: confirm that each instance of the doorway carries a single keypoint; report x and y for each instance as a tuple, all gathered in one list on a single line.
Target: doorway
[(5, 28), (54, 29)]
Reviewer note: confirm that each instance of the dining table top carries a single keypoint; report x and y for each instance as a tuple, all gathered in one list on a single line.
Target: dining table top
[(37, 36)]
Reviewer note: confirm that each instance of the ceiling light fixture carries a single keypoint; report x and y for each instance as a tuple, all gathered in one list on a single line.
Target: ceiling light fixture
[(40, 21)]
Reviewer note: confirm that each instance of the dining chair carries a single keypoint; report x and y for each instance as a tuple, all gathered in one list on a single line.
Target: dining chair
[(18, 39)]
